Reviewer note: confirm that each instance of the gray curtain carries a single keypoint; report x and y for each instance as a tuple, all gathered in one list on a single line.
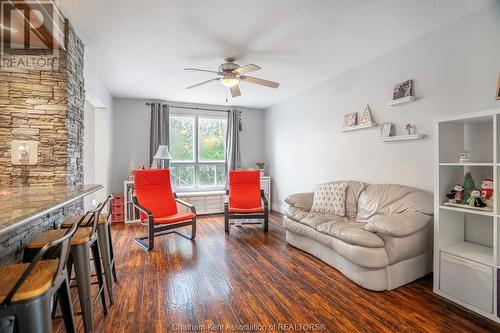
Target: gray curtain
[(159, 130), (233, 140)]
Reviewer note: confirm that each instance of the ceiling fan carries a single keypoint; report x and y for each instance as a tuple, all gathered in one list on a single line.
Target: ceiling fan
[(231, 74)]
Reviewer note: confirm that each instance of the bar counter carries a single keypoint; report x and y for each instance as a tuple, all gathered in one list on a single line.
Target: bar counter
[(21, 205)]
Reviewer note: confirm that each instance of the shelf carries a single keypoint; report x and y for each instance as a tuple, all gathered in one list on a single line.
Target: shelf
[(471, 251), (402, 137), (358, 127), (476, 211), (403, 100), (467, 164)]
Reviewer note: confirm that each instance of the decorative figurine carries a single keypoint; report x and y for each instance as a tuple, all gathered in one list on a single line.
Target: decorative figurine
[(469, 186), (408, 129), (465, 157), (366, 116), (456, 194), (475, 199), (131, 168), (487, 191)]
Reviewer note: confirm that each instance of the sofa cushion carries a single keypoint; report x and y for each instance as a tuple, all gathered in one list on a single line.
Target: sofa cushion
[(352, 233), (387, 199), (311, 219), (299, 228), (329, 198), (354, 190), (300, 200), (398, 225), (372, 257)]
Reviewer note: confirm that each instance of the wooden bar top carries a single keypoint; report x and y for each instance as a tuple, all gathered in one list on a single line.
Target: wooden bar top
[(21, 205)]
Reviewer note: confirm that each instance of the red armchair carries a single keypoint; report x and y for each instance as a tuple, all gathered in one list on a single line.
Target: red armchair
[(245, 199), (158, 206)]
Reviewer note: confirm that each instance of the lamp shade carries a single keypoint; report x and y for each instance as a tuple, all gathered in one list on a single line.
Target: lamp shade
[(163, 153)]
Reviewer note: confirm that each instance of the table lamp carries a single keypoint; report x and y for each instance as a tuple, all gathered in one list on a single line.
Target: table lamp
[(162, 154)]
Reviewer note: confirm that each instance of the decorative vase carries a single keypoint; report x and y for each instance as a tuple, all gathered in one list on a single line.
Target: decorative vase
[(261, 173)]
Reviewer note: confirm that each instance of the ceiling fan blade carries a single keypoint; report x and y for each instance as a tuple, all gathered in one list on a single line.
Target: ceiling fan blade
[(200, 70), (202, 83), (262, 82), (246, 69), (235, 91)]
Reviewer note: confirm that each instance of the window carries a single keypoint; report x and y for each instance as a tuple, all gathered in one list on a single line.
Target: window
[(198, 149)]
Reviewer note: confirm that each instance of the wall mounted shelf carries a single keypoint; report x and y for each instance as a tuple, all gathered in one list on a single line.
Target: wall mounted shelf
[(403, 100), (467, 164), (403, 137), (358, 127)]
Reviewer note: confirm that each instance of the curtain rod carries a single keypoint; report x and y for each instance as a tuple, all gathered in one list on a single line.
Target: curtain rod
[(194, 108)]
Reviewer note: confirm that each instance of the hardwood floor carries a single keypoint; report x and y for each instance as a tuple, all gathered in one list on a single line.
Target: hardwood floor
[(249, 278)]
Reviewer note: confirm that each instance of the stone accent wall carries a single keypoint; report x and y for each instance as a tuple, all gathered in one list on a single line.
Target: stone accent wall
[(44, 106), (75, 112), (33, 106)]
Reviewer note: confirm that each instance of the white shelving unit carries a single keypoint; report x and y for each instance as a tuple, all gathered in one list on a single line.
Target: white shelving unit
[(466, 240), (358, 127)]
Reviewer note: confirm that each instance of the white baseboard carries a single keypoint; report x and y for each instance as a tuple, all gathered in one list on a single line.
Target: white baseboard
[(278, 208)]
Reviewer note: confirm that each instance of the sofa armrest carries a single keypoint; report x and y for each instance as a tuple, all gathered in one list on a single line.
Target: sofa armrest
[(398, 225), (303, 201)]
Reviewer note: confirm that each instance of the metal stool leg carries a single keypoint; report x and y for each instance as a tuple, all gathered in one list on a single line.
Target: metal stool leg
[(81, 260), (112, 253), (104, 248), (34, 315), (98, 272), (66, 306)]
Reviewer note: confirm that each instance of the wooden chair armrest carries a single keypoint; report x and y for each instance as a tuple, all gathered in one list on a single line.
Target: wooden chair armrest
[(263, 196), (142, 209), (188, 205)]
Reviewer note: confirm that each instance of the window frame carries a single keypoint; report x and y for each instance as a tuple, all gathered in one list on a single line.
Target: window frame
[(196, 151)]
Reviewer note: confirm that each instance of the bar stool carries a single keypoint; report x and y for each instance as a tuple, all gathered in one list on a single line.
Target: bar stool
[(105, 244), (26, 289), (85, 238)]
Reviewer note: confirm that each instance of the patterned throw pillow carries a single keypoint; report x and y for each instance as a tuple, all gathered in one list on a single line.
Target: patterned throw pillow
[(329, 198)]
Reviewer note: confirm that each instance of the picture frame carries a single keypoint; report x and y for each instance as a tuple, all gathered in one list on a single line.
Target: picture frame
[(385, 130), (498, 88), (351, 119), (403, 89)]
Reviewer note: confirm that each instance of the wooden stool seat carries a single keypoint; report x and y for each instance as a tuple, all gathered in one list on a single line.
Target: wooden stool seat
[(81, 236), (68, 223), (37, 283)]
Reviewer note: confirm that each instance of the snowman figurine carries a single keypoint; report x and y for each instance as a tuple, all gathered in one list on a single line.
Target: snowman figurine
[(487, 192)]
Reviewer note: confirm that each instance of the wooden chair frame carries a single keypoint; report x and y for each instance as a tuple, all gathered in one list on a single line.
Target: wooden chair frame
[(165, 229), (230, 216)]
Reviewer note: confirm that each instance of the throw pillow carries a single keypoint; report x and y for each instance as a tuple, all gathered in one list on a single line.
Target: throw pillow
[(329, 198)]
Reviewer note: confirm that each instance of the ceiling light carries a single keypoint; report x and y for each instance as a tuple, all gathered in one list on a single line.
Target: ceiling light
[(229, 81)]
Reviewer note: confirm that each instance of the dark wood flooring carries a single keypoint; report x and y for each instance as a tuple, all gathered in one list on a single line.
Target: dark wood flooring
[(249, 278)]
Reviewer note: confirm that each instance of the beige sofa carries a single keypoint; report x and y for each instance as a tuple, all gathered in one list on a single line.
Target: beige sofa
[(383, 242)]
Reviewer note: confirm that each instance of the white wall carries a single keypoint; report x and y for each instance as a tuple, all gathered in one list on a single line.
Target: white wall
[(455, 71), (89, 150), (97, 94), (131, 123)]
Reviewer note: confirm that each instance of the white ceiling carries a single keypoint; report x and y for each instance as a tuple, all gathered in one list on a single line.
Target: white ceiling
[(142, 46)]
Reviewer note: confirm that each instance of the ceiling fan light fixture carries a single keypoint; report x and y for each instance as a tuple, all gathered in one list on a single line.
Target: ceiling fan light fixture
[(230, 81)]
